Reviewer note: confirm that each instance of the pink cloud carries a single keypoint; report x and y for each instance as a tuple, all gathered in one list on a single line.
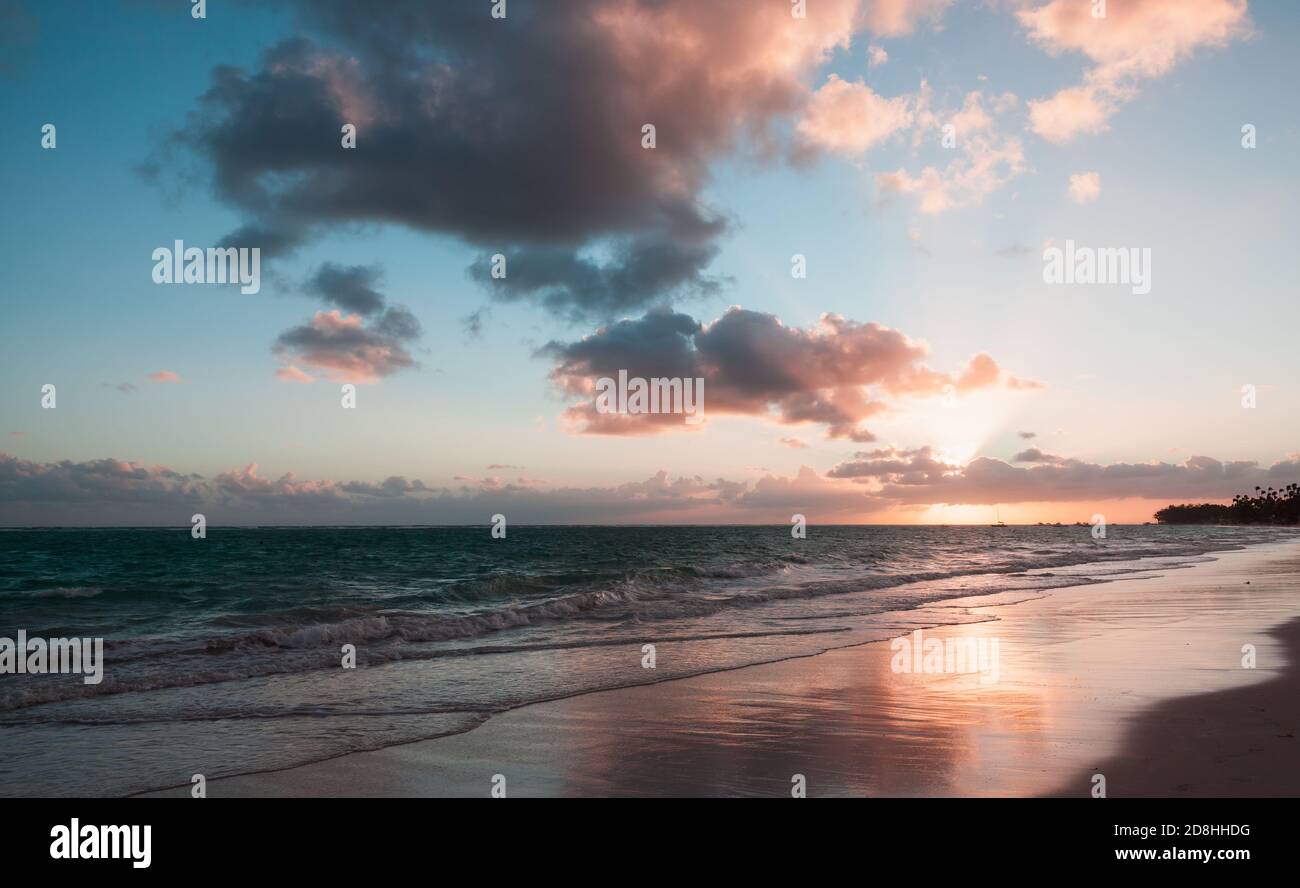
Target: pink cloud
[(850, 117), (895, 18), (290, 373), (348, 349), (985, 165), (1077, 110), (1135, 41), (1085, 187), (986, 158), (164, 376)]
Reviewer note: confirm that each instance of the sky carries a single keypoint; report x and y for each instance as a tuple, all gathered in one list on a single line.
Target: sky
[(919, 157)]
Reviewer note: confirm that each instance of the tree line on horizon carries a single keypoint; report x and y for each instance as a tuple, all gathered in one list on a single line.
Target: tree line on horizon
[(1268, 506)]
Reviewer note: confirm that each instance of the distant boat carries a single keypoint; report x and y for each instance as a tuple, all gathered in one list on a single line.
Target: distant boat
[(1000, 522)]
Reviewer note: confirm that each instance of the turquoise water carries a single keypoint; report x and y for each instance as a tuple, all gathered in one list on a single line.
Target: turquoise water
[(223, 655)]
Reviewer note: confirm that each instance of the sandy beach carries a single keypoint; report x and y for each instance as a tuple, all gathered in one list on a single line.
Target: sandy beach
[(1141, 680)]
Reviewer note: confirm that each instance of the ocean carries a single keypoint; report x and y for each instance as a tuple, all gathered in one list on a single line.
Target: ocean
[(224, 655)]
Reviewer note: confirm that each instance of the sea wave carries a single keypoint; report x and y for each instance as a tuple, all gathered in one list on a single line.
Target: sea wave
[(69, 592), (256, 638)]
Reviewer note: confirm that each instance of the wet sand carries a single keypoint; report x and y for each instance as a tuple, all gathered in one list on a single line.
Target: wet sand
[(1238, 743), (1139, 679)]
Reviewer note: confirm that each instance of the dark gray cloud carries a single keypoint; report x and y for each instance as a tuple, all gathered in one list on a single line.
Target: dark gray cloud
[(834, 373), (114, 492), (98, 481), (18, 31), (917, 477), (349, 287), (472, 323), (1034, 455), (521, 134), (639, 272)]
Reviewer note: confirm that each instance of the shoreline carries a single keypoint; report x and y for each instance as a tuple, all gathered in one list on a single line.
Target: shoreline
[(1237, 743), (880, 733)]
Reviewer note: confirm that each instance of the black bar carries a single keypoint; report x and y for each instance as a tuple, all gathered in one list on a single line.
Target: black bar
[(336, 837)]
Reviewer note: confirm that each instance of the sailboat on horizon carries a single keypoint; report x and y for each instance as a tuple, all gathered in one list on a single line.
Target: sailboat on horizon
[(999, 522)]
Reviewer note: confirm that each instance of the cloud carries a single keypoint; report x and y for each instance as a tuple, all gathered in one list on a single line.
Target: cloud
[(101, 482), (985, 166), (576, 287), (351, 288), (972, 118), (1076, 110), (1017, 250), (850, 117), (1085, 187), (898, 466), (793, 443), (876, 56), (348, 349), (1136, 41), (117, 492), (1034, 455), (896, 18), (483, 130), (489, 483), (290, 373), (18, 32), (363, 342), (1028, 436), (161, 376), (834, 373), (472, 323), (917, 477), (1018, 383), (113, 492), (987, 159)]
